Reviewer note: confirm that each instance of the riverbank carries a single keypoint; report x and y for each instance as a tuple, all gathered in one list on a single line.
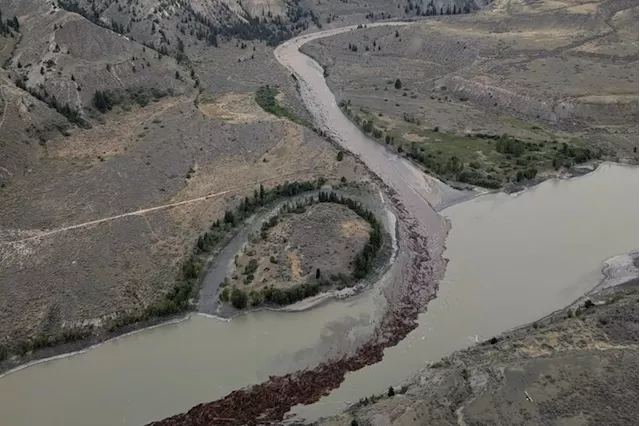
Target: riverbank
[(476, 301), (223, 253), (412, 283), (363, 194), (558, 367), (65, 350), (416, 197), (188, 344)]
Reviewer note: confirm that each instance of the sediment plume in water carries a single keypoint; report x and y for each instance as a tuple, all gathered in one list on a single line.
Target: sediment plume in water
[(270, 401)]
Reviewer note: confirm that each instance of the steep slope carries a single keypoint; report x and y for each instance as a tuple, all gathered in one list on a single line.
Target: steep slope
[(64, 59), (115, 157), (26, 124), (576, 367)]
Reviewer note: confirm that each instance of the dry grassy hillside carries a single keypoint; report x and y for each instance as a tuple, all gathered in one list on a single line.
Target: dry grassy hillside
[(339, 13), (170, 25), (544, 73), (570, 65), (25, 125), (66, 56), (59, 59), (97, 214)]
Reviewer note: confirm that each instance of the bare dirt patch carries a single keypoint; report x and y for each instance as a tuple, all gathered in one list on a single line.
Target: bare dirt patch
[(412, 137), (355, 228), (236, 108)]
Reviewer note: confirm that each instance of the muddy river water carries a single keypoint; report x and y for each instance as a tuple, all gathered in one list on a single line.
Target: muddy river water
[(511, 261)]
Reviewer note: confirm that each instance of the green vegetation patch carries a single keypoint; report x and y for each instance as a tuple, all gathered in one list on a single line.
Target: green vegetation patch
[(8, 26), (492, 161), (105, 100), (266, 98), (485, 160), (364, 261)]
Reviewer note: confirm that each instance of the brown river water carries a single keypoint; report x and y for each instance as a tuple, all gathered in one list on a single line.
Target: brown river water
[(512, 259)]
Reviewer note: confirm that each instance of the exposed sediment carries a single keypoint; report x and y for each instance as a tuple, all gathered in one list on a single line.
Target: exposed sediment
[(421, 234), (270, 401)]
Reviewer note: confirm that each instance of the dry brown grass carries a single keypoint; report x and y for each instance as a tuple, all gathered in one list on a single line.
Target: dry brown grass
[(355, 228), (294, 264), (118, 132), (236, 108), (326, 237), (537, 70)]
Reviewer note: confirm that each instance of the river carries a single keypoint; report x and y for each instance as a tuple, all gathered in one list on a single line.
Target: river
[(511, 260)]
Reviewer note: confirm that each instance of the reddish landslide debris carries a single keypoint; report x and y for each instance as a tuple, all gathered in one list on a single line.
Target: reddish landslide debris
[(270, 401)]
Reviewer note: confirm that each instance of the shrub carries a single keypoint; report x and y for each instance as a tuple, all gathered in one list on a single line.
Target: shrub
[(224, 295), (507, 145), (4, 353), (266, 98), (251, 267), (256, 297), (391, 392), (238, 299), (527, 174)]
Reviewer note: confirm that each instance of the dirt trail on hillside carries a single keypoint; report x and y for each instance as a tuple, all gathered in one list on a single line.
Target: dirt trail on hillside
[(141, 212)]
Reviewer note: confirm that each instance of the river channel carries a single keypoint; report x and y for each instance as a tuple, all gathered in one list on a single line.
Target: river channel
[(512, 259)]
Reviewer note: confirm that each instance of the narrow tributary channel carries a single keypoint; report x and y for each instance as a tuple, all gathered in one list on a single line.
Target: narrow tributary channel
[(511, 260)]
